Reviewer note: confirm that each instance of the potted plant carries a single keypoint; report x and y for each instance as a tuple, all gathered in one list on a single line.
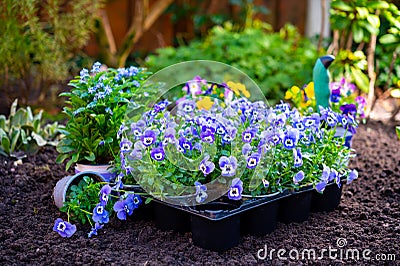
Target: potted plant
[(95, 111), (89, 200), (188, 154)]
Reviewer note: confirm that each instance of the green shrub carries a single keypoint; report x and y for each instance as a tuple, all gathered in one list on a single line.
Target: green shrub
[(275, 61), (39, 40)]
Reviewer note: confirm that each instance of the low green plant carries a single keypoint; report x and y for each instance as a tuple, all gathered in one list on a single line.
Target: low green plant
[(22, 132), (274, 61)]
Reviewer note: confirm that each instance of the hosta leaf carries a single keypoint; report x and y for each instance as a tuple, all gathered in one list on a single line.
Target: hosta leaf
[(5, 144), (14, 139), (39, 139), (13, 108)]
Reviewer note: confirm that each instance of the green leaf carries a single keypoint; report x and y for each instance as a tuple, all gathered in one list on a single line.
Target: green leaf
[(14, 139), (39, 139), (398, 131), (389, 39), (5, 144), (2, 122), (61, 158), (148, 200), (64, 148), (374, 21), (340, 5), (358, 33), (13, 108), (360, 79), (91, 157), (362, 12), (373, 5)]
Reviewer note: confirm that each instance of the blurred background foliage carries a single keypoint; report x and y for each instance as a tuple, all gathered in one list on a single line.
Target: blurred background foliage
[(45, 43)]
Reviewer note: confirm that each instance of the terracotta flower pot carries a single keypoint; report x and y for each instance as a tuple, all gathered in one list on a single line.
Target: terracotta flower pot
[(102, 169), (62, 186)]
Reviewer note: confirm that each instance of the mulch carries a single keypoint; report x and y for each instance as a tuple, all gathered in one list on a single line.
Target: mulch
[(367, 218)]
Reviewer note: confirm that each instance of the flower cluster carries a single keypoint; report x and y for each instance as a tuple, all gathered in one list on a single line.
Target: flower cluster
[(94, 202), (255, 149), (343, 98), (97, 104)]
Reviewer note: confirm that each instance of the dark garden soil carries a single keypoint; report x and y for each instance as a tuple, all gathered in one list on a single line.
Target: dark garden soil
[(367, 218)]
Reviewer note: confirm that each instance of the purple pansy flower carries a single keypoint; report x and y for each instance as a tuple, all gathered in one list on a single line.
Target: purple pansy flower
[(291, 138), (333, 175), (352, 176), (246, 149), (228, 165), (348, 109), (100, 215), (335, 94), (104, 194), (185, 145), (206, 166), (253, 160), (94, 230), (320, 187), (331, 118), (148, 138), (325, 173), (126, 206), (157, 154), (207, 135), (297, 157), (64, 228), (201, 194), (248, 135), (236, 189), (125, 145), (298, 177), (187, 106)]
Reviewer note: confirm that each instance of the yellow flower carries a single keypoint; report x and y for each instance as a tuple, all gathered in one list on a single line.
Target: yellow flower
[(237, 88), (309, 89), (291, 93), (204, 103), (221, 95), (246, 93)]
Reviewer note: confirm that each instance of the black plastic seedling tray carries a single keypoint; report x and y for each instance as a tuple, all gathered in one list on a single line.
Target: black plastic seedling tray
[(218, 225)]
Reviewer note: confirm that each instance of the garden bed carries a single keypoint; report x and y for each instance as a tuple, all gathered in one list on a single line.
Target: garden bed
[(368, 218)]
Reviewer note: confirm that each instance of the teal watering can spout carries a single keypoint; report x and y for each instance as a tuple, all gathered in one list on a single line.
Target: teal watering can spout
[(321, 80)]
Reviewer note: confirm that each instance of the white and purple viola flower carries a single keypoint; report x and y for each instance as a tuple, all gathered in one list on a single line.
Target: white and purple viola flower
[(201, 194), (64, 228), (353, 175), (291, 138), (127, 206), (228, 165), (157, 154), (297, 157), (253, 160), (100, 214), (125, 145), (298, 177), (236, 189), (206, 166), (148, 138), (104, 193)]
